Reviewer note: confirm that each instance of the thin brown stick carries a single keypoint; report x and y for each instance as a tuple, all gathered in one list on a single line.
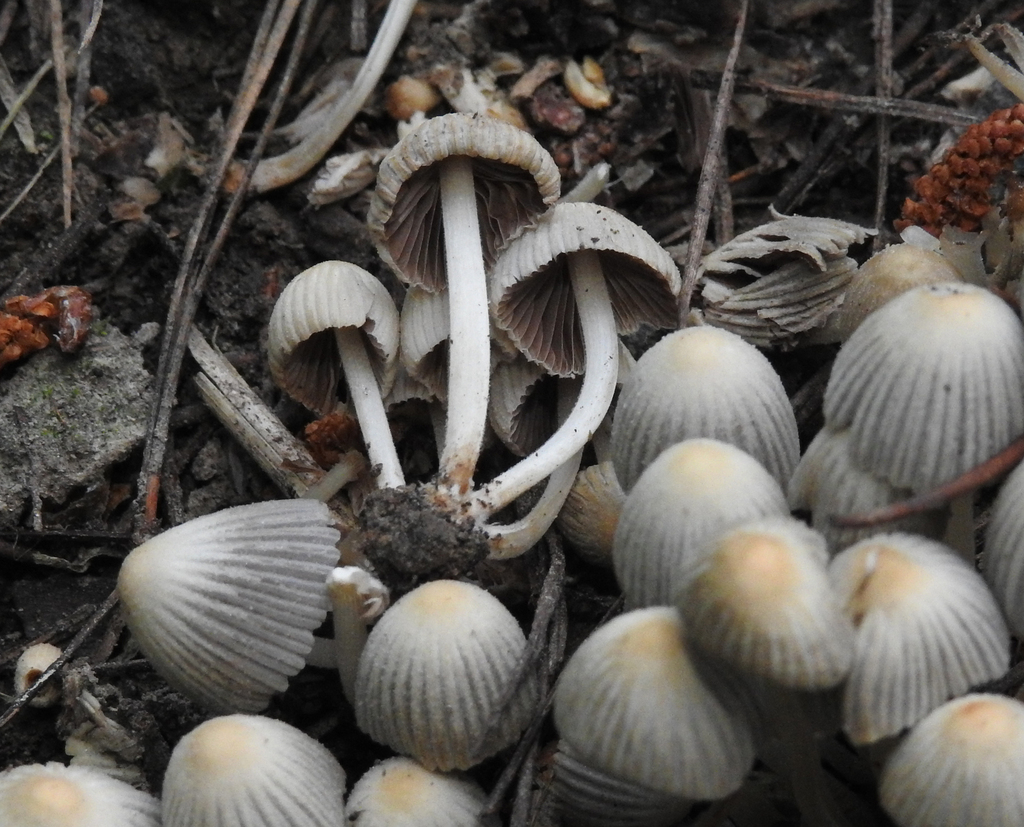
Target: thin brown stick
[(883, 126), (709, 177), (89, 19), (69, 652), (60, 72), (987, 472)]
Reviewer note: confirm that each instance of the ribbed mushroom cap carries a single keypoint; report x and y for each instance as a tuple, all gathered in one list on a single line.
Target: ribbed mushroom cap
[(827, 482), (960, 765), (927, 630), (515, 180), (519, 410), (251, 771), (759, 598), (930, 385), (531, 294), (434, 671), (301, 345), (632, 703), (53, 795), (1003, 560), (423, 327), (590, 514), (224, 606), (400, 792), (692, 492), (703, 382)]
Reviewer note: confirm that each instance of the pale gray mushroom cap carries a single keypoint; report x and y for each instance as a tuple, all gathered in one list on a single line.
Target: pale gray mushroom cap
[(253, 771), (518, 410), (927, 629), (53, 795), (703, 382), (514, 177), (400, 792), (961, 765), (301, 346), (531, 294), (224, 606), (930, 385), (692, 492), (759, 598), (423, 328), (590, 513), (631, 702), (1003, 560), (434, 671), (828, 483)]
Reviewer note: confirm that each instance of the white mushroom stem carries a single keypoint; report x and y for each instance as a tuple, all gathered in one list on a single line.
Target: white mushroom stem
[(347, 469), (365, 395), (469, 353), (1000, 69), (300, 159), (601, 362), (356, 597)]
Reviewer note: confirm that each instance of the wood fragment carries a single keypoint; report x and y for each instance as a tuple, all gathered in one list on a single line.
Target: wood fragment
[(63, 106)]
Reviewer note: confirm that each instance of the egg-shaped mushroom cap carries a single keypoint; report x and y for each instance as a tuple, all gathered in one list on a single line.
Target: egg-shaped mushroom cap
[(224, 606), (828, 483), (52, 795), (588, 797), (930, 385), (758, 597), (927, 629), (514, 176), (590, 514), (633, 702), (531, 293), (1003, 560), (693, 491), (30, 665), (301, 345), (400, 792), (703, 382), (252, 771), (960, 765), (434, 671)]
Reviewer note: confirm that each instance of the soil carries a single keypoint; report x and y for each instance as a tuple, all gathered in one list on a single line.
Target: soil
[(174, 68)]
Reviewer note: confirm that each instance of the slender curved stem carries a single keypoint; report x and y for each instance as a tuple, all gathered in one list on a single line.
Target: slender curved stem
[(365, 395), (469, 354), (601, 362)]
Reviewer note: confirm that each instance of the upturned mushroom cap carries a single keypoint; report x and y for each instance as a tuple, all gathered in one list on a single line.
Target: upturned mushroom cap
[(515, 181), (930, 385), (53, 795), (960, 765), (301, 346), (224, 606), (703, 382), (532, 298), (434, 672), (691, 493), (252, 771), (927, 629), (400, 792), (759, 598), (632, 703)]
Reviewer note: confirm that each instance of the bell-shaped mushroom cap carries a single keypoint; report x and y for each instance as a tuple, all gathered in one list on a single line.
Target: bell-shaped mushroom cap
[(1003, 560), (514, 177), (930, 385), (632, 703), (691, 493), (927, 630), (532, 297), (588, 797), (960, 765), (435, 669), (224, 606), (423, 328), (519, 410), (52, 795), (590, 514), (759, 598), (828, 483), (703, 382), (251, 771), (886, 275), (400, 792), (30, 665), (301, 345)]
